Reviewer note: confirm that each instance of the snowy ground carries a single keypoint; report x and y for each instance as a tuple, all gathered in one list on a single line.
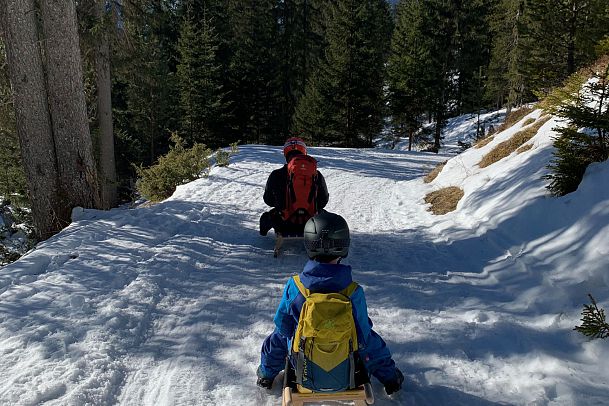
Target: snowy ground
[(169, 304)]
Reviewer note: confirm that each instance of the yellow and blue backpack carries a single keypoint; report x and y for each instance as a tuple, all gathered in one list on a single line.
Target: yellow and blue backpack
[(324, 345)]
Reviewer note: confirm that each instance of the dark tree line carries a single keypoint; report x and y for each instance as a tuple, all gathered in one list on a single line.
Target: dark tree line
[(335, 72)]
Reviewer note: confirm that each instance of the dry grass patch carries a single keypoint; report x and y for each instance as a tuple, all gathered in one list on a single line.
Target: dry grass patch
[(528, 121), (508, 146), (524, 148), (444, 200), (434, 173), (482, 142), (512, 118)]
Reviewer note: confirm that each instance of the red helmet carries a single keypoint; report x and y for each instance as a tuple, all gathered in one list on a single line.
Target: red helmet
[(294, 144)]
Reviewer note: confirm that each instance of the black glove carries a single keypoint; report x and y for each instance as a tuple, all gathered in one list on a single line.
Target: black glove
[(395, 385)]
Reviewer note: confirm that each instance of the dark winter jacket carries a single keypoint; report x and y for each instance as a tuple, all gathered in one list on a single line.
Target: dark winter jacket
[(325, 278), (276, 185)]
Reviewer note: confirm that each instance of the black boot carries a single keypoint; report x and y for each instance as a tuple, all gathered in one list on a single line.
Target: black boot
[(263, 382), (266, 223)]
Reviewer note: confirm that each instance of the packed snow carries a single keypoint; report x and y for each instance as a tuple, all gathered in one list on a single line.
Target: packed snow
[(169, 304)]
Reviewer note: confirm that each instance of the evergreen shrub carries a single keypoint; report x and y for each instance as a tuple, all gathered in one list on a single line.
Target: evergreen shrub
[(223, 157), (180, 165), (593, 321), (585, 138)]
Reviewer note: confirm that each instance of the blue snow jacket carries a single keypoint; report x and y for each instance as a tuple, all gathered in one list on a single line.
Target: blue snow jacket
[(325, 278)]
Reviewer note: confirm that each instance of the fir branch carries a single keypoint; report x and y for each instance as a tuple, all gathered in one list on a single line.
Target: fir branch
[(593, 321)]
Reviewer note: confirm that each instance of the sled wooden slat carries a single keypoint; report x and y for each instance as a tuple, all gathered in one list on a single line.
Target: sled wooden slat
[(360, 397), (279, 238)]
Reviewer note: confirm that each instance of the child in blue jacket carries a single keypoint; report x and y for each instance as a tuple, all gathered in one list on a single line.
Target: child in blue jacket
[(327, 241)]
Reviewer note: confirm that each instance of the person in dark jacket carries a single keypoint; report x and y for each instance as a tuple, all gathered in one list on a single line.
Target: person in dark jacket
[(327, 241), (275, 192)]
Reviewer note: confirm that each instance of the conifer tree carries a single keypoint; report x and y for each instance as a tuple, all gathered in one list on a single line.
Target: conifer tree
[(255, 81), (563, 34), (202, 98), (300, 47), (507, 84), (408, 69), (146, 94), (343, 103), (585, 138), (12, 177)]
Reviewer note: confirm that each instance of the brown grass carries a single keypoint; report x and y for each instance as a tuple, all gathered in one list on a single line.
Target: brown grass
[(508, 146), (482, 142), (444, 200), (524, 148), (528, 121), (434, 173), (512, 118)]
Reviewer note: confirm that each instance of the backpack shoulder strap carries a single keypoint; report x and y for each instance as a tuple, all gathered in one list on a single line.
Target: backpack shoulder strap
[(348, 291), (305, 292)]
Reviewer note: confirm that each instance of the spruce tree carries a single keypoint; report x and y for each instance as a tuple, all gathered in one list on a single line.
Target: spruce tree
[(343, 102), (12, 177), (300, 47), (254, 70), (563, 34), (507, 72), (199, 74), (146, 96), (408, 69), (585, 138)]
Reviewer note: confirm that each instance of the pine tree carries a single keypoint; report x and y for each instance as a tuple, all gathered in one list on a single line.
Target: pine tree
[(202, 98), (12, 177), (146, 96), (472, 47), (300, 48), (408, 69), (254, 70), (441, 29), (507, 84), (343, 103), (585, 138), (563, 34)]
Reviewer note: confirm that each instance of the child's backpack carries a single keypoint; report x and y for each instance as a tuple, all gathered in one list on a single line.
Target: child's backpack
[(301, 191), (323, 348)]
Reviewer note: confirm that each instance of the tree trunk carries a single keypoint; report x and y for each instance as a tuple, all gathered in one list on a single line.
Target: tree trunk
[(19, 21), (107, 164), (76, 166)]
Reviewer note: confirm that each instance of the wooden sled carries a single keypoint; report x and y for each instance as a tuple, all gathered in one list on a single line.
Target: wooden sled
[(280, 237), (295, 395), (361, 396)]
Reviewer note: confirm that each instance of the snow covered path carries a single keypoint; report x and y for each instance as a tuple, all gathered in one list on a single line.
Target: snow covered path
[(168, 305)]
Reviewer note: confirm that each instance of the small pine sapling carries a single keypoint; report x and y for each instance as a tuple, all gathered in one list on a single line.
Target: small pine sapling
[(222, 157), (593, 321)]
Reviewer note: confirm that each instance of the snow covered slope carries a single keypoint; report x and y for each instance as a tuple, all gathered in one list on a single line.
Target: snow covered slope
[(169, 304)]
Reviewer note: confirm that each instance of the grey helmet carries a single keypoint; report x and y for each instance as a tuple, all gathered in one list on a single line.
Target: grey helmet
[(326, 235)]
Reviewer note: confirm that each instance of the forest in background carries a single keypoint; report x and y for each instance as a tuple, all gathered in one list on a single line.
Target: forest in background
[(334, 72)]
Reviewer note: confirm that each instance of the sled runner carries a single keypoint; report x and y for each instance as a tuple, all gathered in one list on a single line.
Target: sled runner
[(280, 237), (296, 395)]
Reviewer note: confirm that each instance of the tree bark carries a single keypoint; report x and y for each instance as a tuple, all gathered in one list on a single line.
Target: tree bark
[(107, 163), (75, 163), (19, 21)]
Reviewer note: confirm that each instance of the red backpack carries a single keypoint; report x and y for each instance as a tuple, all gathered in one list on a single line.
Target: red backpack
[(301, 191)]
